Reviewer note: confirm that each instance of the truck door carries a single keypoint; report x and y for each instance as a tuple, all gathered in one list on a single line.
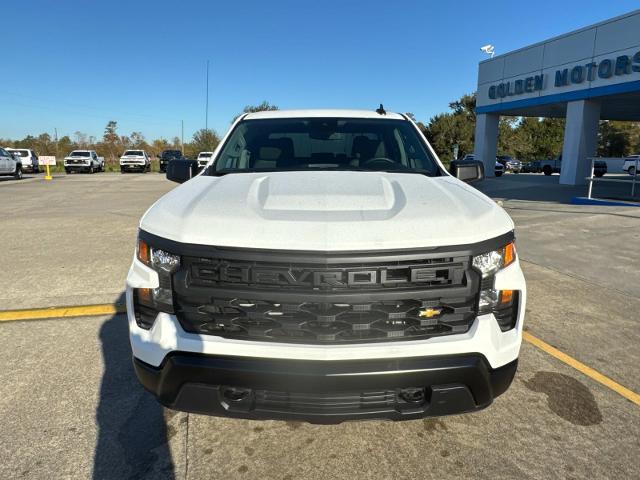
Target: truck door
[(4, 161)]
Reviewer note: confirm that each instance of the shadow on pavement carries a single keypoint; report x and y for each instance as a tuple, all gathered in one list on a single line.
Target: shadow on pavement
[(132, 431)]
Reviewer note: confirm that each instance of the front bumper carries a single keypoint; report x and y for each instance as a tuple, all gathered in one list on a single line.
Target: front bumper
[(133, 166), (77, 166), (325, 392)]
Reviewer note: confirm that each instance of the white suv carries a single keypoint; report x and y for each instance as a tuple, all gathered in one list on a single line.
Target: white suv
[(9, 165), (326, 268), (28, 158), (135, 160)]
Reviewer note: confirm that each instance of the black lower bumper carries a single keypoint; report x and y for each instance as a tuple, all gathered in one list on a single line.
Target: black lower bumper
[(325, 391)]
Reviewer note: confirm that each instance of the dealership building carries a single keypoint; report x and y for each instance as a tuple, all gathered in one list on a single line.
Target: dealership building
[(584, 76)]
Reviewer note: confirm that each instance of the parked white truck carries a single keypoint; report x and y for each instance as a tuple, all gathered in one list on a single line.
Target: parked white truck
[(10, 164), (325, 268), (631, 164), (203, 158), (135, 161), (83, 161)]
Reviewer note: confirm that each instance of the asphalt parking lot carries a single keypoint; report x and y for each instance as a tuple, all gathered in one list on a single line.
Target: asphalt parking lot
[(70, 406)]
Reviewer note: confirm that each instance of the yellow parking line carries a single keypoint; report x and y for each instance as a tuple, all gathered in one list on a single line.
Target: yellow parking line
[(60, 312), (581, 367)]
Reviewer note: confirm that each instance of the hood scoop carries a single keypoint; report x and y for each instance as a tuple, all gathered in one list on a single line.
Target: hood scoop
[(367, 197)]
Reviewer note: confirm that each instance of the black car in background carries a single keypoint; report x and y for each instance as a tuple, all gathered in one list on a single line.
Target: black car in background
[(166, 156)]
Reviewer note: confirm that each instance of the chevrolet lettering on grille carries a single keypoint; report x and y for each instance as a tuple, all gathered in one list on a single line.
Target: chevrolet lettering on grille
[(312, 278)]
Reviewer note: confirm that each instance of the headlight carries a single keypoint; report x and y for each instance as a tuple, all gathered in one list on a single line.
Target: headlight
[(148, 301), (502, 303), (490, 262)]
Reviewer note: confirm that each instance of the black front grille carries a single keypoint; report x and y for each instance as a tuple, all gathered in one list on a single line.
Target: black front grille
[(322, 301), (327, 322)]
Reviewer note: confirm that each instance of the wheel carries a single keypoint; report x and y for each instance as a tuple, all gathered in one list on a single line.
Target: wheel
[(18, 173), (632, 171), (91, 169), (122, 170), (498, 174), (598, 174), (547, 170), (67, 171)]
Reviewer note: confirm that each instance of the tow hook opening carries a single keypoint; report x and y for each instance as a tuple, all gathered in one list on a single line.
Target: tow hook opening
[(413, 395), (235, 394)]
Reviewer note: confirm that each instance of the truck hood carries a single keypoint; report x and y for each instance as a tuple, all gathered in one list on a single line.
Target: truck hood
[(326, 211)]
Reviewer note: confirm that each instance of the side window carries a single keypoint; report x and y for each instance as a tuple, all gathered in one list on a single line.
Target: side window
[(3, 153)]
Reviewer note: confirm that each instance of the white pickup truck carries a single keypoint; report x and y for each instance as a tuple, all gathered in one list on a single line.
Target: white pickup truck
[(326, 267), (135, 161), (631, 164), (83, 161), (204, 158), (10, 164)]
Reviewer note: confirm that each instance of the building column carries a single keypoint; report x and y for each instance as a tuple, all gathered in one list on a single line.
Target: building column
[(580, 141), (486, 141)]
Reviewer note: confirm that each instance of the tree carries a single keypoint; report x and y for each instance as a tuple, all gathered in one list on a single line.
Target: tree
[(203, 141), (110, 139), (457, 127), (618, 139), (264, 106), (158, 145), (137, 140), (65, 145)]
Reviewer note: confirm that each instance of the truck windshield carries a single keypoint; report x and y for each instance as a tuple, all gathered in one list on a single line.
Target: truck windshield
[(171, 154), (80, 154), (325, 144)]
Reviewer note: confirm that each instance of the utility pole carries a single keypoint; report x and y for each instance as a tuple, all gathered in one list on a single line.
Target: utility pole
[(182, 137), (206, 108), (55, 130)]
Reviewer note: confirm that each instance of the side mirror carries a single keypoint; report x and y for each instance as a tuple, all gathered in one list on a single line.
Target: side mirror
[(181, 170), (469, 171)]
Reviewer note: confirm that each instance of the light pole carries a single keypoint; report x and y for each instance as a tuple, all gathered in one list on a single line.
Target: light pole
[(206, 108)]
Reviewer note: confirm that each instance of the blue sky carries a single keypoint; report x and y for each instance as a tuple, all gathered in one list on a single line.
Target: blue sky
[(75, 65)]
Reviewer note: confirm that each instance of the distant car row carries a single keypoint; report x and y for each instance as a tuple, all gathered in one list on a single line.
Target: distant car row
[(130, 161), (505, 163)]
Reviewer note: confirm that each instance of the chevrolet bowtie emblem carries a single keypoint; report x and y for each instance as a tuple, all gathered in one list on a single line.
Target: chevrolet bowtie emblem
[(430, 312)]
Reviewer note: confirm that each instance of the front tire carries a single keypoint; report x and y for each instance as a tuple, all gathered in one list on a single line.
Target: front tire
[(632, 171), (18, 174), (547, 170), (498, 174)]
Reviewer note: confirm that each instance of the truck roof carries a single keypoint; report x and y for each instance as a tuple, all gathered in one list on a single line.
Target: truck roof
[(319, 113)]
